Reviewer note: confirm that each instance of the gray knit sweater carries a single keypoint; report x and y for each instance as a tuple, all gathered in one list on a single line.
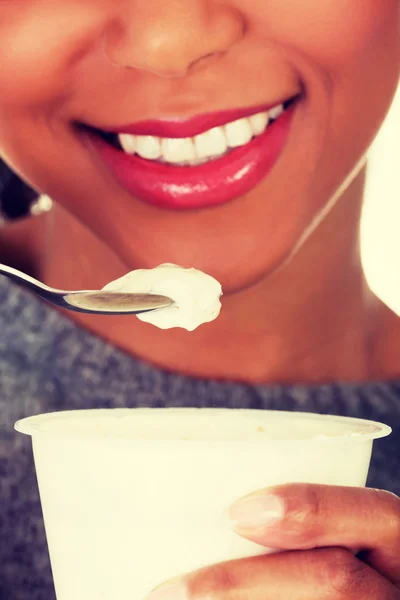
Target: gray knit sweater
[(47, 364)]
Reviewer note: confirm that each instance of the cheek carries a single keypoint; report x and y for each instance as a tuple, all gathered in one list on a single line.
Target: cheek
[(331, 32), (38, 53)]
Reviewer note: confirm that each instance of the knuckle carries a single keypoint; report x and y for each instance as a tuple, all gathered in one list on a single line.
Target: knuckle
[(313, 502), (390, 504), (304, 521), (344, 576), (212, 583)]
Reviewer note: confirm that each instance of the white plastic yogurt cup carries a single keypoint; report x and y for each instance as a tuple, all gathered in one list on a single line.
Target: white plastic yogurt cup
[(133, 497)]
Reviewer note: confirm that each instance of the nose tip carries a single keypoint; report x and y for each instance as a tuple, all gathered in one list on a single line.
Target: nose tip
[(184, 37)]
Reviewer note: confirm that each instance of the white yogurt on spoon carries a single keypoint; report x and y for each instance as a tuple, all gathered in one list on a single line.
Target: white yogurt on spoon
[(196, 295)]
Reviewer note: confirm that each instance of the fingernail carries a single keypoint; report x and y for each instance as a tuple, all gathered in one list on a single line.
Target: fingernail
[(256, 511), (169, 591)]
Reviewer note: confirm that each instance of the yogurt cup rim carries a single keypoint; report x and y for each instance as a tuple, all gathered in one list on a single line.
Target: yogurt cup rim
[(35, 426)]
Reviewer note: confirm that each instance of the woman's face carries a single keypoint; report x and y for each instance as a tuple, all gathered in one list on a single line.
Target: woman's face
[(112, 63)]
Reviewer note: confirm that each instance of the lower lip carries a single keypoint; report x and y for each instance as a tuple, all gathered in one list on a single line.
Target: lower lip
[(211, 184)]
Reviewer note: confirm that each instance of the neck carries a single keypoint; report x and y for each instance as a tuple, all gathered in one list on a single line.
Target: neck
[(311, 321)]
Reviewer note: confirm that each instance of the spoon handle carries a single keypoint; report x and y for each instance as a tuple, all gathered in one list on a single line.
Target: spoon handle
[(90, 301), (24, 279)]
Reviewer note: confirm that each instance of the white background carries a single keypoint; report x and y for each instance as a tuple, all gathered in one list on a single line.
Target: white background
[(381, 219)]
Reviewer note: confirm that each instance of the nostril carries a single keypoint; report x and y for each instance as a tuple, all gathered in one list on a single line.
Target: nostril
[(204, 60)]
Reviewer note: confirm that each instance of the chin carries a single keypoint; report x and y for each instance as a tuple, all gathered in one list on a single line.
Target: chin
[(234, 271)]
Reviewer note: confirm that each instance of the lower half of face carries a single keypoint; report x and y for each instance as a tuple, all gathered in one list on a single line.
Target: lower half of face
[(211, 138)]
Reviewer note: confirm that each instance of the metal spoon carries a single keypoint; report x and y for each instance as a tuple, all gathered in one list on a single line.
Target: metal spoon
[(91, 301)]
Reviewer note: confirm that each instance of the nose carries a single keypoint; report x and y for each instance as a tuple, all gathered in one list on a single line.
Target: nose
[(170, 37)]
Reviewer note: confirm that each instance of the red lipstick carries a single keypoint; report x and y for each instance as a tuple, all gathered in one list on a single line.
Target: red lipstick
[(194, 187), (182, 128)]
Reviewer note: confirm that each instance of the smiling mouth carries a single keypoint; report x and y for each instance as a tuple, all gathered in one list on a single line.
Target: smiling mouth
[(197, 162), (208, 145)]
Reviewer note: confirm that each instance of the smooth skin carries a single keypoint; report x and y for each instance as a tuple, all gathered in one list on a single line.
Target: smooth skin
[(296, 307)]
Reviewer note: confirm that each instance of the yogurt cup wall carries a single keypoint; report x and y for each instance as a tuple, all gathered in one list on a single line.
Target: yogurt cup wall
[(133, 497)]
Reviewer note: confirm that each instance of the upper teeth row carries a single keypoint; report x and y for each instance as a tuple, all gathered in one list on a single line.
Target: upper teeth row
[(200, 148)]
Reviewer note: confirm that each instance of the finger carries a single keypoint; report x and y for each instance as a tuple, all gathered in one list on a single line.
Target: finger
[(301, 516), (328, 574)]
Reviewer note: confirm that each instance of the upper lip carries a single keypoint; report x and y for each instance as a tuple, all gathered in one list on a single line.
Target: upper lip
[(191, 126)]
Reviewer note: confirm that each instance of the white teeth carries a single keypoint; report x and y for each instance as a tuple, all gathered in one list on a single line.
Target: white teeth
[(238, 133), (275, 112), (128, 142), (211, 143), (148, 146), (259, 122), (203, 147), (177, 150)]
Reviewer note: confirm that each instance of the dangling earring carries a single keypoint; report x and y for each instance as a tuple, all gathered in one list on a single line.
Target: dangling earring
[(42, 204), (17, 199)]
